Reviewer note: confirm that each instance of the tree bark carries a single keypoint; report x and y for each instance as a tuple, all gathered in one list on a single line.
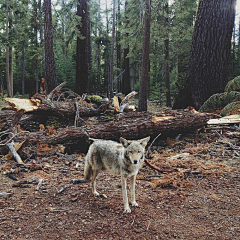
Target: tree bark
[(110, 84), (118, 44), (82, 63), (131, 126), (126, 86), (143, 92), (50, 70), (23, 68), (210, 53), (166, 58), (36, 28), (7, 51), (11, 53)]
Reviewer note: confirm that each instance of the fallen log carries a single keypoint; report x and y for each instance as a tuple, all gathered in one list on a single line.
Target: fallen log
[(131, 126), (39, 105), (72, 138), (139, 125), (11, 122)]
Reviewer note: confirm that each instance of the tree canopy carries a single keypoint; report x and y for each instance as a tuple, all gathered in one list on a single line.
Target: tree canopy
[(114, 45)]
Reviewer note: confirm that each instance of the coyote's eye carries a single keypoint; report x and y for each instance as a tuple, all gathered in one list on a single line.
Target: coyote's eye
[(130, 152), (139, 151)]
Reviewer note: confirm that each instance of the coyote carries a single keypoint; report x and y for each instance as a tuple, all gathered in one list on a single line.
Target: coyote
[(123, 159)]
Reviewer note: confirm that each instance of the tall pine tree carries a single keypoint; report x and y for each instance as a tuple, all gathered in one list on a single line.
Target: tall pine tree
[(82, 63), (50, 70), (210, 53)]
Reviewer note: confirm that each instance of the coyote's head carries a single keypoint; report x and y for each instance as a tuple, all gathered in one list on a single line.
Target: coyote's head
[(134, 149)]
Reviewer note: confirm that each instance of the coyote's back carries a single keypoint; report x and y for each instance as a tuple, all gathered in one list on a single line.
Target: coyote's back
[(103, 154)]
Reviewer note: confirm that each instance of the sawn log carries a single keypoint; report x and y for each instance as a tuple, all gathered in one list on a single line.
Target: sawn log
[(131, 126)]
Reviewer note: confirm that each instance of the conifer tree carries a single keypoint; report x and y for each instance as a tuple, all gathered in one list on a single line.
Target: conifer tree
[(82, 55), (143, 93), (50, 70), (210, 53)]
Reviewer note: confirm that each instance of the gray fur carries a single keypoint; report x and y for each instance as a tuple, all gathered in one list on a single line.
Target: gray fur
[(123, 159)]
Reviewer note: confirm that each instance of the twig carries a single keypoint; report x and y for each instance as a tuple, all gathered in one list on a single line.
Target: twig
[(77, 115), (60, 210), (236, 153), (39, 184), (55, 90), (14, 135), (62, 189), (130, 95), (156, 168), (9, 140), (14, 153), (227, 142), (78, 180), (152, 144)]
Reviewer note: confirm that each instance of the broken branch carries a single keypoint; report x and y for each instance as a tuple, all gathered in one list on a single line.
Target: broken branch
[(14, 153)]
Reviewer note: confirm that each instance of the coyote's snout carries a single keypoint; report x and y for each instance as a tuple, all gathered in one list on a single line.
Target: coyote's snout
[(123, 159)]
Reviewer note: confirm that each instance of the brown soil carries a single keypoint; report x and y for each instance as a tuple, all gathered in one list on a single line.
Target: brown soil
[(197, 197)]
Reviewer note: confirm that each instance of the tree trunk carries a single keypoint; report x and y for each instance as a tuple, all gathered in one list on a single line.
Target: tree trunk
[(126, 86), (36, 27), (11, 54), (131, 126), (23, 68), (50, 70), (7, 51), (119, 59), (166, 58), (110, 84), (143, 92), (82, 61), (40, 7), (1, 78), (210, 53), (1, 85)]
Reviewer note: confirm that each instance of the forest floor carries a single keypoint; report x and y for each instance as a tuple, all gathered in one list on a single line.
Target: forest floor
[(196, 197)]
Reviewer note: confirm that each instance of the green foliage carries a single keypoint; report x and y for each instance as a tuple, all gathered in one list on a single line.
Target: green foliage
[(18, 95), (233, 85), (231, 108), (26, 36), (220, 100), (95, 98)]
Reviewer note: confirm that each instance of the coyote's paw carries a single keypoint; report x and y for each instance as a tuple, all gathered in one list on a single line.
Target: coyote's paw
[(134, 204), (127, 210), (96, 194)]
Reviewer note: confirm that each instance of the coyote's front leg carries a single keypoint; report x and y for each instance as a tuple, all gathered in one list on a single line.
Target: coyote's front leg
[(133, 184), (125, 197)]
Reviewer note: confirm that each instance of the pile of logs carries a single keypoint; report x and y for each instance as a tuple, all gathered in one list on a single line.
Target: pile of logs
[(130, 125)]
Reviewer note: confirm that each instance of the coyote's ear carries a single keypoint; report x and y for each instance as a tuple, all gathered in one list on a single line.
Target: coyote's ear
[(144, 141), (124, 142)]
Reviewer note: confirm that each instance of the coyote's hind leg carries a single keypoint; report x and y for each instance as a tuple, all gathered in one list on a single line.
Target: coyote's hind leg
[(94, 176)]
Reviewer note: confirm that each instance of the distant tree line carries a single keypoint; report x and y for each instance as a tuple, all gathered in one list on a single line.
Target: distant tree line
[(163, 50)]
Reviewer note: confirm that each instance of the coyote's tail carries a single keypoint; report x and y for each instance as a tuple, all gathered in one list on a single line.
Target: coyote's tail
[(87, 170)]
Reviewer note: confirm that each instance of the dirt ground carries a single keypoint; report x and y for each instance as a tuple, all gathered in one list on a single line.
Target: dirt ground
[(194, 194), (203, 203)]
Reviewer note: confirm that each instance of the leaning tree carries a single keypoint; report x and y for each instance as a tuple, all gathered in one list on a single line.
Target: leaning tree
[(210, 53)]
